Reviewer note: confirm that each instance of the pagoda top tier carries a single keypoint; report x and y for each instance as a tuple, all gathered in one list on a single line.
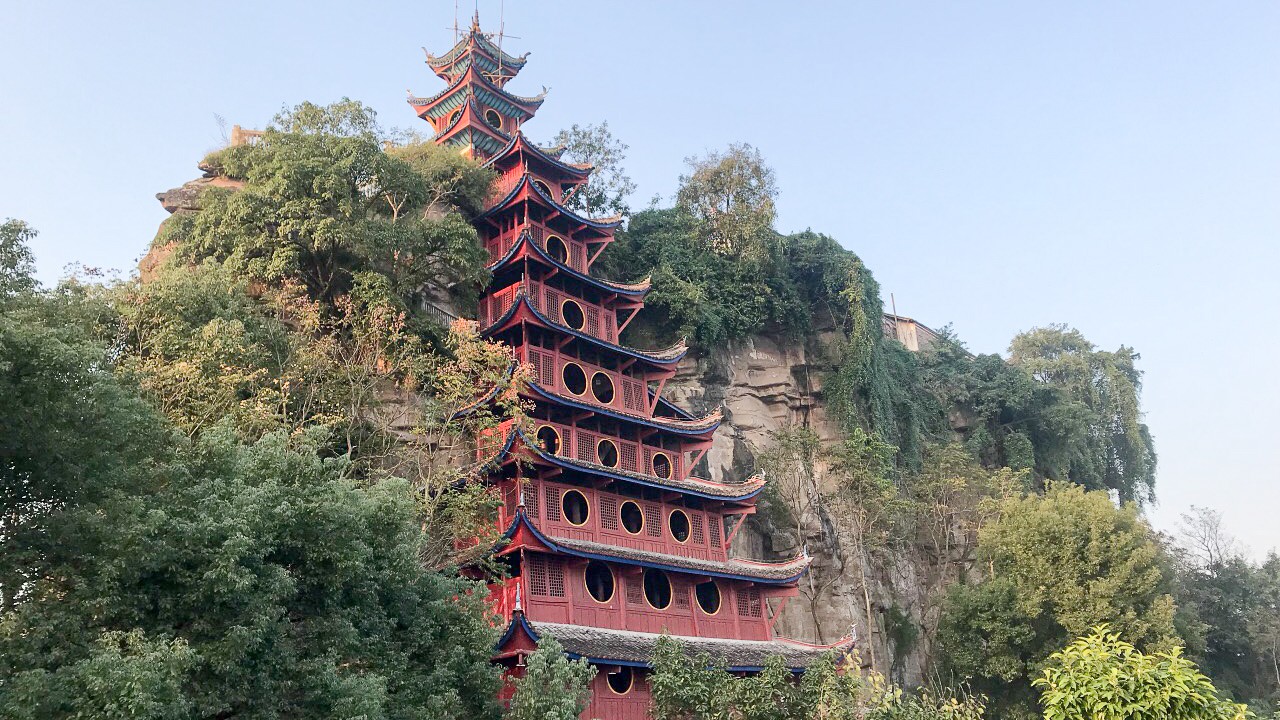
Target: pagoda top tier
[(477, 49)]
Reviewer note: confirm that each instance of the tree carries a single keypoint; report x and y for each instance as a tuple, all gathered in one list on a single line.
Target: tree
[(1056, 565), (17, 265), (553, 687), (610, 186), (731, 194), (1116, 451), (1101, 677)]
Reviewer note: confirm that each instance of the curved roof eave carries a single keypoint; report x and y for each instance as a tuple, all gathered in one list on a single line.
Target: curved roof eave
[(633, 290), (522, 518), (609, 412), (677, 352), (601, 224)]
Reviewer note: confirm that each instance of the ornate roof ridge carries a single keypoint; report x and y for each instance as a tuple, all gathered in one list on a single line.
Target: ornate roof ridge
[(519, 138), (474, 35), (528, 104), (753, 571)]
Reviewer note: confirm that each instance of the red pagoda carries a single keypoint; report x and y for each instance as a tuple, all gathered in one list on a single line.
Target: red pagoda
[(613, 541)]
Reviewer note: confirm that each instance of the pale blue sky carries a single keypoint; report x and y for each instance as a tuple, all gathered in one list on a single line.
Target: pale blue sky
[(1115, 166)]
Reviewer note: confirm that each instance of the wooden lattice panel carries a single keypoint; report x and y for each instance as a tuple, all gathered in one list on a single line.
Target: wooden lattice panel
[(696, 533), (586, 446), (635, 590), (633, 395), (608, 512), (749, 603), (680, 595), (629, 461), (531, 502), (553, 504), (652, 520)]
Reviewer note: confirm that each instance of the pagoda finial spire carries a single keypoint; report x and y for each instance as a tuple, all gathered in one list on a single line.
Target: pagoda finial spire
[(475, 22)]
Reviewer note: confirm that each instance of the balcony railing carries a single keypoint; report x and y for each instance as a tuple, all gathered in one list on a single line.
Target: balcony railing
[(609, 451)]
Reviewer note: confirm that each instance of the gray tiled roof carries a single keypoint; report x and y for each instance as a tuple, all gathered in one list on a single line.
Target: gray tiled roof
[(637, 647)]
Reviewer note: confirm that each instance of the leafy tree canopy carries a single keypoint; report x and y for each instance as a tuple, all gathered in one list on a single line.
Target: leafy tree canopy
[(610, 186)]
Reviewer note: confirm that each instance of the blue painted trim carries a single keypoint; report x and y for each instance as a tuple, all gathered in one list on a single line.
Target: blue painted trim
[(582, 336), (542, 253)]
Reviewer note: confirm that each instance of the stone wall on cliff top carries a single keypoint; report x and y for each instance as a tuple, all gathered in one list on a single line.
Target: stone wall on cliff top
[(765, 384)]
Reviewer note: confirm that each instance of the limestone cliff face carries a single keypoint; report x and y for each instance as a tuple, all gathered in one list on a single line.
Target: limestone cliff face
[(766, 384)]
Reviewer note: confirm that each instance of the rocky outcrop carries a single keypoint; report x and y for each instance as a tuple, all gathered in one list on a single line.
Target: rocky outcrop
[(767, 384)]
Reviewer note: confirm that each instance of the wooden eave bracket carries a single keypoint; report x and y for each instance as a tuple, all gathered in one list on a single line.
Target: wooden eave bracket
[(742, 516)]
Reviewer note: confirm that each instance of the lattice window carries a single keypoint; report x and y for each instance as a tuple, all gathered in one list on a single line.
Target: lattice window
[(579, 256), (608, 512), (628, 452), (696, 524), (535, 298), (555, 579), (680, 595), (713, 526), (652, 520), (633, 395), (531, 501), (553, 305), (538, 577), (553, 504), (586, 447), (749, 602), (593, 321), (635, 590), (543, 367)]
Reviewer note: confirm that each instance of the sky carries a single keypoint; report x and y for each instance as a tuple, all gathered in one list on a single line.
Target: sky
[(998, 165)]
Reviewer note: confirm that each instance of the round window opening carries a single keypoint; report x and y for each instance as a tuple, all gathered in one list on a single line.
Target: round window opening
[(602, 388), (599, 581), (632, 517), (620, 681), (574, 378), (657, 589), (662, 466), (708, 594), (574, 505), (557, 249), (543, 187), (492, 117), (607, 452), (549, 439), (572, 313), (679, 524), (454, 117)]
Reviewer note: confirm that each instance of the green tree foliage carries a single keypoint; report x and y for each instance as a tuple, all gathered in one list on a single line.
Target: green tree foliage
[(610, 186), (731, 196), (1115, 451), (323, 202), (145, 575), (553, 686), (699, 688), (1101, 677), (1055, 565), (1235, 605), (17, 265)]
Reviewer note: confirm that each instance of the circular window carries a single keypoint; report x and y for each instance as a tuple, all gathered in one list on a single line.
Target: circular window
[(599, 580), (602, 387), (679, 524), (632, 517), (549, 439), (571, 313), (607, 453), (708, 594), (620, 681), (662, 465), (657, 589), (543, 187), (492, 117), (454, 117), (557, 249), (575, 508), (574, 378)]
